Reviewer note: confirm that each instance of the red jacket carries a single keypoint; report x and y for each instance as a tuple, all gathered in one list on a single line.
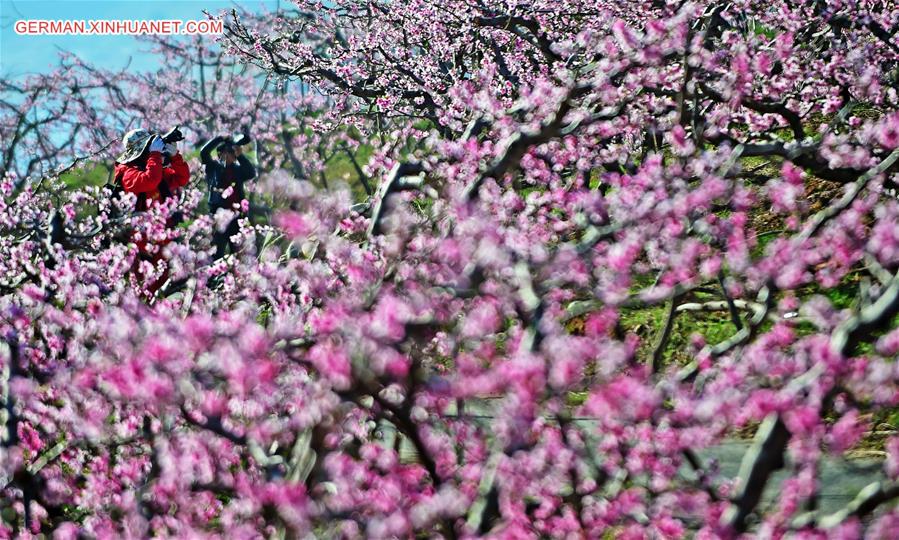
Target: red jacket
[(146, 181)]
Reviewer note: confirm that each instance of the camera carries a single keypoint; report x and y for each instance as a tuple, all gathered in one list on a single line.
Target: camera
[(173, 135), (241, 140), (229, 143)]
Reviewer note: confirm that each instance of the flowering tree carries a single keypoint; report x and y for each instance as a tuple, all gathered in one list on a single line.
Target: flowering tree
[(453, 359)]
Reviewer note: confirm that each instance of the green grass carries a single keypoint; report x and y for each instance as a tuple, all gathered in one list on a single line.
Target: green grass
[(96, 175), (340, 169), (647, 323)]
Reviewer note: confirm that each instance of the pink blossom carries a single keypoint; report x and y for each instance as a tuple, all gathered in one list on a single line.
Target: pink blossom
[(846, 432), (294, 224), (888, 132)]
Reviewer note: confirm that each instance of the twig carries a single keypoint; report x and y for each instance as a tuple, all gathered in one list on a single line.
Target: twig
[(69, 167), (393, 184), (731, 306), (662, 343), (867, 500), (519, 143), (721, 305), (848, 198), (764, 457)]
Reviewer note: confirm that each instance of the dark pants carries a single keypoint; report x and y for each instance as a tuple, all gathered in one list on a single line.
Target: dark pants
[(222, 239)]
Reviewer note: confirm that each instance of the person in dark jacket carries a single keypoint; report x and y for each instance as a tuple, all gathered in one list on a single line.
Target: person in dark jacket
[(225, 178)]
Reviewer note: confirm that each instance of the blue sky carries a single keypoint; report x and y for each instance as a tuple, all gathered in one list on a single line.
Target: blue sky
[(21, 54)]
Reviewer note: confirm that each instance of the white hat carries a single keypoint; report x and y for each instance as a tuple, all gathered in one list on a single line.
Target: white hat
[(135, 142)]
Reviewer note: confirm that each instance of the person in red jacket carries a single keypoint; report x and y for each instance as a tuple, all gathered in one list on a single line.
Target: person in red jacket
[(140, 170)]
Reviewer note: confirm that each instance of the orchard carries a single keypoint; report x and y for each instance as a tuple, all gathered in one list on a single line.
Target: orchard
[(509, 270)]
